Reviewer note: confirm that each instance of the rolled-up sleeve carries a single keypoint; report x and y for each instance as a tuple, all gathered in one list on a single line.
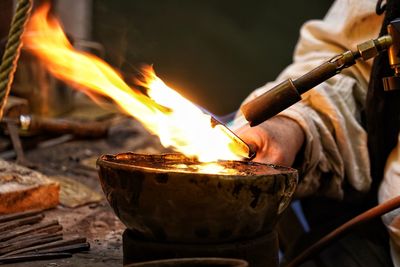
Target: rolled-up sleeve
[(336, 144)]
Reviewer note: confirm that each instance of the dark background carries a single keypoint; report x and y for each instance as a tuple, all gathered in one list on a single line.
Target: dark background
[(214, 52)]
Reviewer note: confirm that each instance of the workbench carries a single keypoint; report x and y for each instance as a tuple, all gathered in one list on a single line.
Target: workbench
[(76, 159)]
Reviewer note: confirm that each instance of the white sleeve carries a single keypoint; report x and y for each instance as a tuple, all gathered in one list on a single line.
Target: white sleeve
[(336, 144)]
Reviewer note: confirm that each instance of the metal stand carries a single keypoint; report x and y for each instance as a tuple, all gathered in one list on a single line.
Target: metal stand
[(258, 252)]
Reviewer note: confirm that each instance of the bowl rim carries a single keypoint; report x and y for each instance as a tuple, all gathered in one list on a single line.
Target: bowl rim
[(106, 161)]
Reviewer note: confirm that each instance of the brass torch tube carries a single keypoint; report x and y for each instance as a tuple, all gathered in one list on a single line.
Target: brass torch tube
[(288, 92), (325, 71), (271, 103)]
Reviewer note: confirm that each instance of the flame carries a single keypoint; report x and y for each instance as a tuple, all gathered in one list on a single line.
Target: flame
[(175, 120)]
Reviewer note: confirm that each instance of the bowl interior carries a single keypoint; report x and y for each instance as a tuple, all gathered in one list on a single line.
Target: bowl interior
[(180, 163)]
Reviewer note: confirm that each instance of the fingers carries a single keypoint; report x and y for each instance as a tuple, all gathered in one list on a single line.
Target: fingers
[(270, 142), (257, 139), (252, 137)]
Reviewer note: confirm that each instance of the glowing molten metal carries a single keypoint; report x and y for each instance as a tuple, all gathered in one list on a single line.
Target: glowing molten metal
[(178, 123)]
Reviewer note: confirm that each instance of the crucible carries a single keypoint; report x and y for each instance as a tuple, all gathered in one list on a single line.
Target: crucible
[(170, 198)]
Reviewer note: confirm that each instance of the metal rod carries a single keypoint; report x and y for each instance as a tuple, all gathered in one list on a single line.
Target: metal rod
[(28, 237), (22, 244), (18, 215), (55, 244), (19, 222), (69, 248), (33, 257), (28, 230)]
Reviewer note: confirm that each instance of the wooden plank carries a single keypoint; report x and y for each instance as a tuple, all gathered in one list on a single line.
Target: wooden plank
[(23, 189)]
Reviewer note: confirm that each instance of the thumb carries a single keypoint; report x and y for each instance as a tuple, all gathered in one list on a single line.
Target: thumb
[(252, 137)]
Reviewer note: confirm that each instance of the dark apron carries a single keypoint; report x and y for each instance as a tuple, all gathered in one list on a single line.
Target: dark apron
[(382, 108), (368, 244)]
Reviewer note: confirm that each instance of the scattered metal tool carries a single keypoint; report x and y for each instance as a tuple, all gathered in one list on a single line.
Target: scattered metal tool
[(34, 124), (25, 237), (92, 129), (16, 142)]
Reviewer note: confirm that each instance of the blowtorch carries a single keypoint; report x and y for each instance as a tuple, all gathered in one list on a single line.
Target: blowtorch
[(289, 91)]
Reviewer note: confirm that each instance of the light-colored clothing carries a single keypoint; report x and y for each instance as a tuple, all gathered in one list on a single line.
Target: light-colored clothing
[(336, 144), (329, 114)]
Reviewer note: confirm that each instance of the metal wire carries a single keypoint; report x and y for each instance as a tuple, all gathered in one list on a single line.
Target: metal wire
[(13, 49)]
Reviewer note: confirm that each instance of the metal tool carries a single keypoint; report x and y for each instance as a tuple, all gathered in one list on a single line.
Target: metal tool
[(248, 152), (17, 145), (14, 107), (289, 92), (91, 129), (33, 124)]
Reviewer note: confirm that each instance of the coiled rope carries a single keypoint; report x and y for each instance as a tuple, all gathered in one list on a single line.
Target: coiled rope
[(13, 50)]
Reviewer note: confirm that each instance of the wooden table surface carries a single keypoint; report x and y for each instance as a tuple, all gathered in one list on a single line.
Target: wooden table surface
[(76, 160)]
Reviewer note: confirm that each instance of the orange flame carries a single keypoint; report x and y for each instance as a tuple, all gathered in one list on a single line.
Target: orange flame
[(178, 123)]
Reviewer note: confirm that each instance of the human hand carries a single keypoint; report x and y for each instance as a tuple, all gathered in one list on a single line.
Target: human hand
[(276, 141)]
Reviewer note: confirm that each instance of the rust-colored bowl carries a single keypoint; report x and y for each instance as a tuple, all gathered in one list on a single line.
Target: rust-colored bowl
[(159, 200)]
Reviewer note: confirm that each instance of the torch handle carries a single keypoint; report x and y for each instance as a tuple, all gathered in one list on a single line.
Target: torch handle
[(325, 71)]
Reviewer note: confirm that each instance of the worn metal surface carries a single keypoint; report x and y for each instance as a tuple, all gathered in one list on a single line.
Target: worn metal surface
[(166, 204)]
